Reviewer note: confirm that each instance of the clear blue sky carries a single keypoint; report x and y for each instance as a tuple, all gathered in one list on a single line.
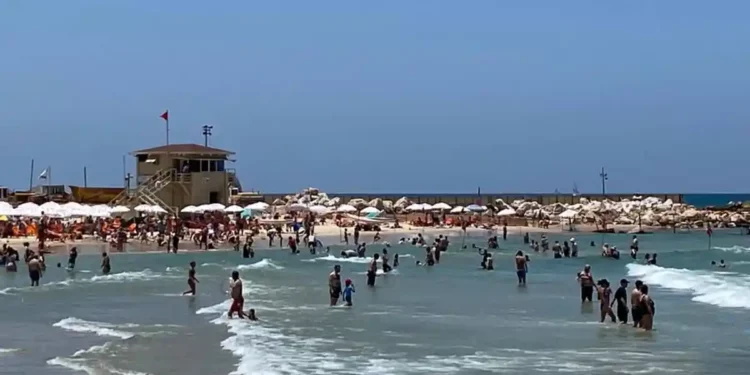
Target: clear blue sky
[(385, 96)]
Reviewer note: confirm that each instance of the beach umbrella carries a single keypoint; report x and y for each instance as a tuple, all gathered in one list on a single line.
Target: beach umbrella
[(319, 210), (233, 209), (29, 209), (5, 209), (441, 206), (119, 209), (475, 208), (157, 210), (189, 209), (414, 207), (507, 212), (345, 208), (370, 210), (50, 206), (279, 202), (142, 208), (258, 206), (215, 207), (298, 207), (457, 210), (568, 214)]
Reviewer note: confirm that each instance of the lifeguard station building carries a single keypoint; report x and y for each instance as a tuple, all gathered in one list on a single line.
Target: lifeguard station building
[(178, 175)]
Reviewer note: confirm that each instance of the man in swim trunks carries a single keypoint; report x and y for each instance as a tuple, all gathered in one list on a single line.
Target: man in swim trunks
[(191, 280), (385, 266), (106, 267), (334, 284), (635, 300), (372, 270), (35, 270), (586, 279), (238, 301), (521, 268), (621, 297), (72, 256)]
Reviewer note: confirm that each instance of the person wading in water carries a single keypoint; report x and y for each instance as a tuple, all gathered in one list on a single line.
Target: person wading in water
[(372, 270), (586, 279), (334, 284), (191, 280)]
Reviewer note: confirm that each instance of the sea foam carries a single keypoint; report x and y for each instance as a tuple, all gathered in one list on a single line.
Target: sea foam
[(726, 289), (263, 264)]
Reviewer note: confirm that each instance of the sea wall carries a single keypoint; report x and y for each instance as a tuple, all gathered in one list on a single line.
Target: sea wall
[(467, 199)]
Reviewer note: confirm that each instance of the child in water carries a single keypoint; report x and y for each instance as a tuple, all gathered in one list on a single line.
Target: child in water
[(348, 290)]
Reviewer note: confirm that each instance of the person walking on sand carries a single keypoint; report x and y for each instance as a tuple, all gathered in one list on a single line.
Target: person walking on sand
[(106, 266), (334, 284), (191, 280), (235, 290)]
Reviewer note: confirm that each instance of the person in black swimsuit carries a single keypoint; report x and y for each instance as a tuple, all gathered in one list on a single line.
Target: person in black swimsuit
[(191, 280)]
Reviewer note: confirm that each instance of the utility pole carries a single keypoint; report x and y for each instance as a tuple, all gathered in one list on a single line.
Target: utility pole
[(206, 133), (128, 177), (604, 178)]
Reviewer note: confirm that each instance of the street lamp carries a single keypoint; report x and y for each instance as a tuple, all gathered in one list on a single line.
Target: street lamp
[(604, 178)]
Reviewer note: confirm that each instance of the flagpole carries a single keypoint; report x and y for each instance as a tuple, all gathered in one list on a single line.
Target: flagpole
[(167, 130), (49, 183)]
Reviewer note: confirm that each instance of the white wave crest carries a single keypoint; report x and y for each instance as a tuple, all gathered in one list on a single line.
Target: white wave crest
[(734, 249), (81, 365), (263, 264), (144, 275), (99, 328), (724, 289)]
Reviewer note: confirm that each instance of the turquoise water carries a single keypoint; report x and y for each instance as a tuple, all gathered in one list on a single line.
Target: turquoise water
[(449, 319)]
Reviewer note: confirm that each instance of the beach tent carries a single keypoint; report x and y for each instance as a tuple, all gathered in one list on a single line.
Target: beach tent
[(346, 208), (233, 209), (441, 206)]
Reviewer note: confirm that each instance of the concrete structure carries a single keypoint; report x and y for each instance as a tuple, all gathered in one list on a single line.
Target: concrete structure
[(178, 175)]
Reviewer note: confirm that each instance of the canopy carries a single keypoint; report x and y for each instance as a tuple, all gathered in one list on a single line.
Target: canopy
[(441, 206)]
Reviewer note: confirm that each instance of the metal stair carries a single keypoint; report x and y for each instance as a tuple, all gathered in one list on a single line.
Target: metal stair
[(146, 192)]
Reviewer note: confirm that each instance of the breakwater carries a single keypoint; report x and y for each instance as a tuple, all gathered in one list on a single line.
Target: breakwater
[(467, 199)]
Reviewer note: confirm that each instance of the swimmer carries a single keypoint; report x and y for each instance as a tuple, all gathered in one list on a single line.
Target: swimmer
[(395, 260), (521, 267), (429, 257), (348, 253), (586, 280), (251, 315), (35, 270), (385, 266), (573, 247), (334, 284), (72, 256), (238, 301), (653, 259), (722, 264), (106, 265), (605, 296), (191, 280), (372, 270), (348, 290)]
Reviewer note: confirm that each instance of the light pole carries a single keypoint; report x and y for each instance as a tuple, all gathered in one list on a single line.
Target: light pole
[(604, 177), (206, 133)]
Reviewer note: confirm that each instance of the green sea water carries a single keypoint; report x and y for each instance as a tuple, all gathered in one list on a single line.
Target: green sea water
[(449, 319)]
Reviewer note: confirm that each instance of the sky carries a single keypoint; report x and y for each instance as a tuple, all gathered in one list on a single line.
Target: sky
[(385, 96)]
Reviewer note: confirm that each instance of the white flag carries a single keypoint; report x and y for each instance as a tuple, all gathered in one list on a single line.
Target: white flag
[(43, 175)]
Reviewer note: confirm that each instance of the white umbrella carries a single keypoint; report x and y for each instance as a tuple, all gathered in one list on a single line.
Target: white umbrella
[(258, 206), (458, 210), (157, 210), (6, 209), (441, 206), (345, 208), (319, 210), (215, 207), (50, 206), (142, 208), (28, 206), (568, 214), (189, 209), (507, 212), (298, 207), (233, 209), (414, 207), (119, 209), (370, 210), (475, 208)]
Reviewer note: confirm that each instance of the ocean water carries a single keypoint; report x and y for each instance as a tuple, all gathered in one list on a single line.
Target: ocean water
[(715, 200), (449, 319)]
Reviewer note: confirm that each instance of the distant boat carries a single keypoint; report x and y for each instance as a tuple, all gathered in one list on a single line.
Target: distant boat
[(575, 190)]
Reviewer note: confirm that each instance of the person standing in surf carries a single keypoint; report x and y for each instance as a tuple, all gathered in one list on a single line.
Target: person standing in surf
[(372, 270), (235, 290), (621, 297), (35, 270), (72, 256), (635, 300), (521, 268), (385, 266), (586, 280), (191, 280), (646, 305), (334, 285), (605, 296), (106, 266)]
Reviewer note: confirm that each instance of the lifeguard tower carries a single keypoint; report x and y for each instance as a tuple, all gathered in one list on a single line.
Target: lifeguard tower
[(178, 175)]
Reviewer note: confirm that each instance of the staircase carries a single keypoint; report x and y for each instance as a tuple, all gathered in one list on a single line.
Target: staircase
[(146, 192)]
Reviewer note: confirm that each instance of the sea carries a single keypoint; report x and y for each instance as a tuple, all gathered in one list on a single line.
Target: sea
[(453, 318)]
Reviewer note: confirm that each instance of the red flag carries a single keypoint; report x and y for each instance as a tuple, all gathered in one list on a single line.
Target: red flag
[(165, 115)]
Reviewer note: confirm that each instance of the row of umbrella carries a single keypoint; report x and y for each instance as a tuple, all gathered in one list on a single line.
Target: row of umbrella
[(218, 207), (53, 209)]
